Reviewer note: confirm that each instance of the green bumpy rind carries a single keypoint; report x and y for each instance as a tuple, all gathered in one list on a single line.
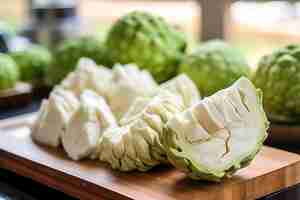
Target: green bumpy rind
[(9, 73), (33, 64), (169, 140), (70, 51), (214, 65), (148, 41), (278, 76)]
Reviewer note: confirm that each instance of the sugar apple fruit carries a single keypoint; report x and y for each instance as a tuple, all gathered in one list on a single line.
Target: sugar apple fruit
[(148, 41), (213, 66), (70, 51), (9, 72), (278, 76), (33, 63), (219, 135)]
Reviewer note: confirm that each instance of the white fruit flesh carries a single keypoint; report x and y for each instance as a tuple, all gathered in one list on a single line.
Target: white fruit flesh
[(181, 86), (129, 83), (184, 87), (53, 117), (87, 125), (135, 109), (221, 130), (88, 76), (136, 145)]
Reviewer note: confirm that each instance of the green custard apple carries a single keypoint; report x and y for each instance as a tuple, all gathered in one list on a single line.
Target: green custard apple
[(70, 51), (33, 63), (9, 73), (218, 136), (148, 41), (214, 65), (278, 76)]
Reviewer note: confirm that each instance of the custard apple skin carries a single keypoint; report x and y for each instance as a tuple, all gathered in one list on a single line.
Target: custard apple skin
[(70, 51), (33, 63), (148, 41), (214, 65), (278, 76), (9, 73)]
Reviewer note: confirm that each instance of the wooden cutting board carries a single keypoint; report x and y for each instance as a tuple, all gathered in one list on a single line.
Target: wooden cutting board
[(271, 171)]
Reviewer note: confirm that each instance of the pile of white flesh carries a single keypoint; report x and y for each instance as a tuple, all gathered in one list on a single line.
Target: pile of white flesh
[(123, 117), (82, 113), (183, 86), (88, 76)]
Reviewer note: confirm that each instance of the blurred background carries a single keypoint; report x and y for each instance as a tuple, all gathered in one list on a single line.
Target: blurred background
[(256, 27)]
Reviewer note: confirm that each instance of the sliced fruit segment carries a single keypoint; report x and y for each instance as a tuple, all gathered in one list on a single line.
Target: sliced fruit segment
[(87, 125), (136, 145), (53, 117), (219, 135), (88, 75)]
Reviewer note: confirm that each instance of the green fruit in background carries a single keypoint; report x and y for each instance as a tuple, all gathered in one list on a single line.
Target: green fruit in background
[(9, 73), (33, 63), (278, 76), (214, 65), (148, 41), (70, 51), (219, 135)]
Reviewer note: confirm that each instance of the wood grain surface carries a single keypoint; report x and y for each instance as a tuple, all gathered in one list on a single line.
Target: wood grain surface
[(271, 171)]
